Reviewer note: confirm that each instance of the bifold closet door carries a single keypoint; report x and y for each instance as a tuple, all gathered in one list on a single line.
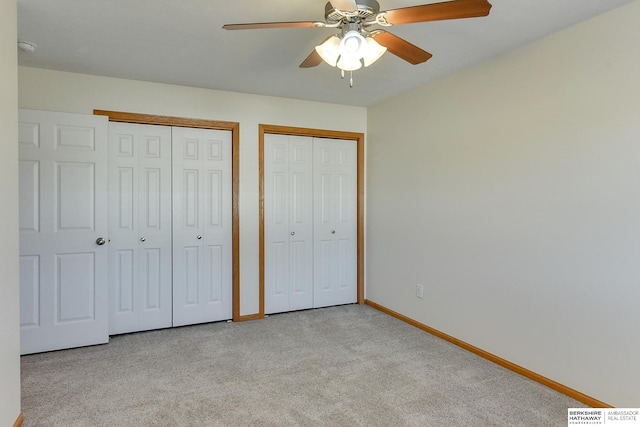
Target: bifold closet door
[(335, 222), (139, 227), (63, 230), (202, 226), (288, 223)]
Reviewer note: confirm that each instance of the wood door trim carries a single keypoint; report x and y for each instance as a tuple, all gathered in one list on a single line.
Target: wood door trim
[(316, 133), (19, 420), (150, 119), (234, 127)]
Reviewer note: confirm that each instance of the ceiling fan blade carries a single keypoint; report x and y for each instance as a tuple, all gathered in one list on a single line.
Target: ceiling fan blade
[(344, 5), (454, 9), (401, 48), (312, 60), (261, 25)]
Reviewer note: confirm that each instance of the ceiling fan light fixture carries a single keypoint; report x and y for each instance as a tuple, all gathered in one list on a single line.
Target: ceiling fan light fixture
[(329, 50), (352, 45), (373, 52)]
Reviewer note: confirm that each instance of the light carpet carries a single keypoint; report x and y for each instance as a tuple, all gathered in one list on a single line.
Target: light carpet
[(339, 366)]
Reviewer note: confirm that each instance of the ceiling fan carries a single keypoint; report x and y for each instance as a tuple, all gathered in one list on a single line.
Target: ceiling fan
[(357, 44)]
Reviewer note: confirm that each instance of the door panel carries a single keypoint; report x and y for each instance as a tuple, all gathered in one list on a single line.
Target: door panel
[(288, 222), (192, 277), (140, 227), (151, 193), (279, 199), (215, 280), (278, 277), (324, 276), (335, 227), (29, 179), (324, 199), (151, 278), (75, 191), (125, 203), (29, 291), (298, 269), (75, 137), (63, 211), (217, 237), (301, 222), (28, 132), (276, 223), (202, 227), (344, 203), (191, 194), (125, 262), (344, 255), (75, 285), (214, 207)]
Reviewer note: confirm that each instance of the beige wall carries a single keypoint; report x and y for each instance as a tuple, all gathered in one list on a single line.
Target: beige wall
[(9, 295), (77, 93), (511, 191)]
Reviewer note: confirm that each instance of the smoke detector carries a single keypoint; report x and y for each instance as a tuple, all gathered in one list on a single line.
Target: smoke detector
[(27, 46)]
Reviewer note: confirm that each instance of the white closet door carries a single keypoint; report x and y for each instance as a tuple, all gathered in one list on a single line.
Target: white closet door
[(335, 222), (288, 222), (63, 217), (139, 227), (276, 223), (202, 226)]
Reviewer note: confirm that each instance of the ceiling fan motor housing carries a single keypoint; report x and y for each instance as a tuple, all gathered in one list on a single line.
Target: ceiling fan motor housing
[(367, 11)]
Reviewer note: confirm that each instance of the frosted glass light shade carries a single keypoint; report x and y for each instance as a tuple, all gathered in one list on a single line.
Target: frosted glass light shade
[(352, 45), (349, 64), (351, 52), (329, 50), (373, 52)]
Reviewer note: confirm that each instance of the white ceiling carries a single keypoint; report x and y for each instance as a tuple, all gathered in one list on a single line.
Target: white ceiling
[(182, 42)]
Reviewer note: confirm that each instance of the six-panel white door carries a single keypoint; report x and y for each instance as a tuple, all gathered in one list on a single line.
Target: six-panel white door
[(288, 219), (310, 222), (335, 222), (63, 230), (139, 227), (202, 226), (310, 227)]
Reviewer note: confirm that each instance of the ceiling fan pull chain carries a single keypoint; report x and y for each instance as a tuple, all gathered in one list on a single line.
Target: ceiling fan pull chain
[(351, 79), (341, 73)]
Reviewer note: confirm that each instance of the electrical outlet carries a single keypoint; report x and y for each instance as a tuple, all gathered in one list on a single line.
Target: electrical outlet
[(419, 291)]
